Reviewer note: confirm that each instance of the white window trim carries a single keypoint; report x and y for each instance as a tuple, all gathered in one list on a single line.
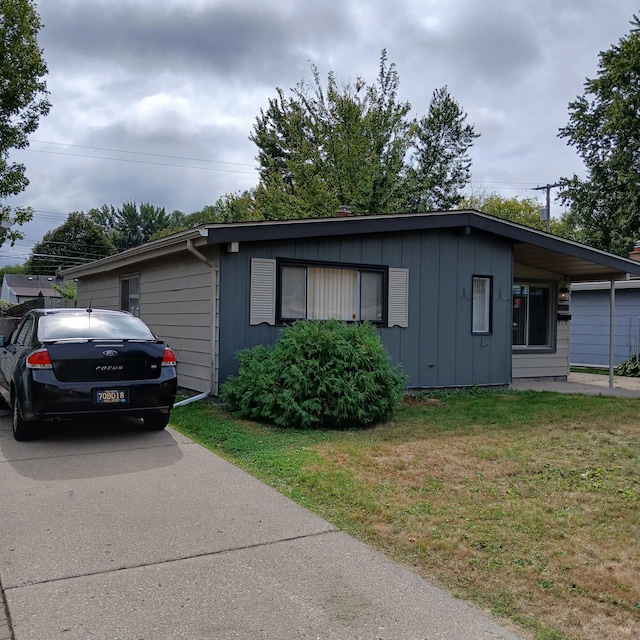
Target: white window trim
[(481, 306)]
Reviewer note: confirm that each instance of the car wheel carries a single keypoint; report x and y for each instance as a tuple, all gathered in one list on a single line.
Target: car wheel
[(157, 422), (22, 430)]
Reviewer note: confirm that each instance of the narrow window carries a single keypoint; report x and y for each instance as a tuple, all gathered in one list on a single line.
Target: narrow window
[(294, 292), (371, 296), (130, 295), (481, 305)]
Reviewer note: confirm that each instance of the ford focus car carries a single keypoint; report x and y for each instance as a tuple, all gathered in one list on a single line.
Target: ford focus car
[(79, 363)]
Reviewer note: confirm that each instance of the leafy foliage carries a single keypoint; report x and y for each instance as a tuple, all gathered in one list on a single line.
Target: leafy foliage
[(441, 166), (74, 242), (524, 211), (320, 374), (67, 290), (355, 145), (605, 130), (133, 225), (630, 367), (230, 207), (23, 100), (11, 268)]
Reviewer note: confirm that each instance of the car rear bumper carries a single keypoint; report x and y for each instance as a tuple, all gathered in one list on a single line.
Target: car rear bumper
[(47, 398)]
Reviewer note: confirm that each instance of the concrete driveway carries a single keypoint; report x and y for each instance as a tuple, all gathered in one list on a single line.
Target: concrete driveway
[(115, 533)]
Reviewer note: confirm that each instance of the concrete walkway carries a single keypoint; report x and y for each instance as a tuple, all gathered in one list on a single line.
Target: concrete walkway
[(122, 534), (585, 383)]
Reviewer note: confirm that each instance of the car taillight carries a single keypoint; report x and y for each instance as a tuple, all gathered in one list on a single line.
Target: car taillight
[(168, 359), (39, 359)]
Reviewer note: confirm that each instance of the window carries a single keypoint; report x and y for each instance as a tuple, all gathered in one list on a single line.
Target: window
[(94, 325), (286, 290), (130, 295), (320, 292), (532, 313), (481, 305), (23, 332)]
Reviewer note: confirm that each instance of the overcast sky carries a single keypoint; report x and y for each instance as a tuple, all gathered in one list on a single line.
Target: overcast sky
[(154, 100)]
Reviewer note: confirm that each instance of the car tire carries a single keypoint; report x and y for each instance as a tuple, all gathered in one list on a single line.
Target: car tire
[(22, 430), (157, 422)]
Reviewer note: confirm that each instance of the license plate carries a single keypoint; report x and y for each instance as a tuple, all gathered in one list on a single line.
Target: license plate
[(111, 396)]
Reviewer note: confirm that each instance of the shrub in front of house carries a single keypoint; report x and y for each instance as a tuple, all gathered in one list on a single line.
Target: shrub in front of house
[(630, 367), (319, 374)]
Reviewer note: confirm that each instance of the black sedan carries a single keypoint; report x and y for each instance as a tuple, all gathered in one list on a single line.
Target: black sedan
[(79, 363)]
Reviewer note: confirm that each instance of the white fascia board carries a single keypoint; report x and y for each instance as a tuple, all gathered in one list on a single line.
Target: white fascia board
[(149, 251)]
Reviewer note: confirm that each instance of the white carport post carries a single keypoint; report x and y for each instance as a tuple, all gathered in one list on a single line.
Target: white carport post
[(612, 332)]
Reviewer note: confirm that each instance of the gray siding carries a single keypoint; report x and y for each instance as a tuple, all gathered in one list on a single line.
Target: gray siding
[(590, 326), (545, 365), (437, 349), (102, 292), (177, 302)]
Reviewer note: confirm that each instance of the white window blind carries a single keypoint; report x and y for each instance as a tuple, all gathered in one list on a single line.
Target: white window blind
[(263, 291), (398, 307), (331, 293)]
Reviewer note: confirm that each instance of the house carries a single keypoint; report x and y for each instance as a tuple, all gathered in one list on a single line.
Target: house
[(459, 298), (18, 288)]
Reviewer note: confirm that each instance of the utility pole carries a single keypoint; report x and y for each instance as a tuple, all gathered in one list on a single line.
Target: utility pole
[(547, 188)]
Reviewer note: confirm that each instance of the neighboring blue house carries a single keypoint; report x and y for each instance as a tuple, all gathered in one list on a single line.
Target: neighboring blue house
[(459, 298), (591, 321)]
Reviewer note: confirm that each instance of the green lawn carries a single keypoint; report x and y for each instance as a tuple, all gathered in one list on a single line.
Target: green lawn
[(523, 503)]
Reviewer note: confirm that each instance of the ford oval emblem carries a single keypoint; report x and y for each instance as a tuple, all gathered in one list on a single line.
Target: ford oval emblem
[(109, 353)]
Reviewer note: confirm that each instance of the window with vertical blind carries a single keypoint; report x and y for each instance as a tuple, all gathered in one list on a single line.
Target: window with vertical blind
[(481, 305), (318, 292), (289, 290)]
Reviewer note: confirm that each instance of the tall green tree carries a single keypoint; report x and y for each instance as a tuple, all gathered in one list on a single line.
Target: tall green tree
[(133, 225), (441, 164), (23, 101), (76, 241), (604, 128), (356, 145)]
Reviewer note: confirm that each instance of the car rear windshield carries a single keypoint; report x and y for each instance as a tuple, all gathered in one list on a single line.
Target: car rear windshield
[(92, 326)]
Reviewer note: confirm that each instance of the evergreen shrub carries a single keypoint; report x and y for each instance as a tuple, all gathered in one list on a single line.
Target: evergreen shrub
[(319, 374)]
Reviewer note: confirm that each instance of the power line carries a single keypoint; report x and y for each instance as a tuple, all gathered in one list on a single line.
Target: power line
[(157, 164), (142, 153)]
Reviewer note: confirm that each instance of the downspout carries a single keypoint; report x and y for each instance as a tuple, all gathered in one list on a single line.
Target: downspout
[(214, 271)]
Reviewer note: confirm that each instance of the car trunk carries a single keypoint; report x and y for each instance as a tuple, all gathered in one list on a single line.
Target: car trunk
[(106, 361)]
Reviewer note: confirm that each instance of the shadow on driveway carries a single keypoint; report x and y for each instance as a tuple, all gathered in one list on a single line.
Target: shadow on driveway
[(75, 449)]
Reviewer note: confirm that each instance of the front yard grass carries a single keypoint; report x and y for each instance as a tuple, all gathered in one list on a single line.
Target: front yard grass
[(525, 504)]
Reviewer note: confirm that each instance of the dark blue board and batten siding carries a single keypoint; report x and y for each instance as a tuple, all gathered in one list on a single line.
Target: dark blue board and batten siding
[(437, 348)]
